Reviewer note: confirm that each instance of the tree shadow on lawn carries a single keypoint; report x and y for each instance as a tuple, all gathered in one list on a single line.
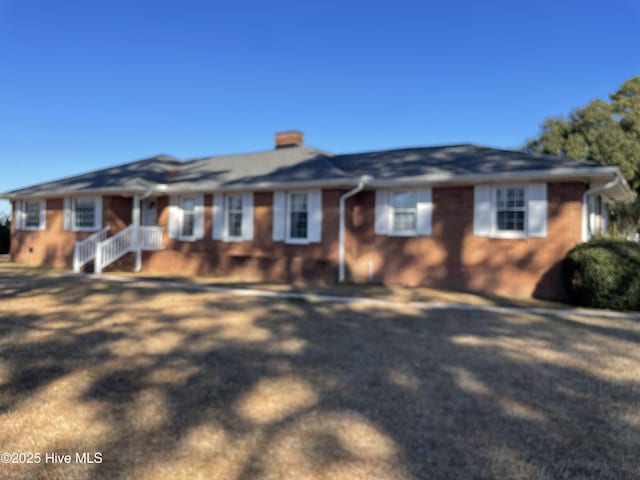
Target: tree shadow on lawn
[(172, 384)]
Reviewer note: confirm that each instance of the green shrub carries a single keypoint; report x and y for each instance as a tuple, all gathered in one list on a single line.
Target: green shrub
[(604, 273)]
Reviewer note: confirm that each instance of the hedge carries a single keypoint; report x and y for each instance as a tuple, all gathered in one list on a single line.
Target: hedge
[(604, 273)]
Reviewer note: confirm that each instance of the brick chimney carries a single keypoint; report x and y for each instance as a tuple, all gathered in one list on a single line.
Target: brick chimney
[(292, 138)]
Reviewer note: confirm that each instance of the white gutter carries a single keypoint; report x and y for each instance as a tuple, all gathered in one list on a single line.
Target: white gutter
[(433, 179), (586, 224), (363, 180)]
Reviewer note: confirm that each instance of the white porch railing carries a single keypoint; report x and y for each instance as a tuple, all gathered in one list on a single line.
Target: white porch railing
[(111, 249), (85, 250), (151, 238), (105, 251)]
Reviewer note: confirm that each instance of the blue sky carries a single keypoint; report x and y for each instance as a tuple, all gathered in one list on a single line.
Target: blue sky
[(88, 84)]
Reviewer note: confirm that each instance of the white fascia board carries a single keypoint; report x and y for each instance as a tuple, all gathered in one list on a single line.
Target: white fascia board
[(75, 193), (268, 186), (606, 173)]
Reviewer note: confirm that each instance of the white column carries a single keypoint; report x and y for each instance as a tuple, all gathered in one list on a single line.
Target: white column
[(135, 221)]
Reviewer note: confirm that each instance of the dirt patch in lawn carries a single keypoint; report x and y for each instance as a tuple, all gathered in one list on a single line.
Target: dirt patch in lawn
[(176, 384)]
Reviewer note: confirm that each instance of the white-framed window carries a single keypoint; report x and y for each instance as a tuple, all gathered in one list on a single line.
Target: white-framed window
[(403, 213), (510, 211), (30, 214), (83, 214), (186, 217), (233, 216), (404, 206), (297, 216), (598, 215)]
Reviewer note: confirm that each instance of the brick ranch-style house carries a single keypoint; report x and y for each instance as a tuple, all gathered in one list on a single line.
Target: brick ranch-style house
[(461, 217)]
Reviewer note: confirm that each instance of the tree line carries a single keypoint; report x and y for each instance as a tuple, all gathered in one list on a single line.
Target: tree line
[(606, 131)]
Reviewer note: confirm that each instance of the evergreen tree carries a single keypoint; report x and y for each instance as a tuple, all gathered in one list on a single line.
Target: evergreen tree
[(607, 132)]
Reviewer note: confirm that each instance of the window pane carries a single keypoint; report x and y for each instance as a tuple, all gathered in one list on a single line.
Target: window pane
[(84, 212), (298, 202), (404, 221), (234, 215), (298, 224), (234, 202), (510, 220), (404, 199), (298, 207), (32, 214), (235, 224), (187, 223), (510, 209), (404, 211), (188, 217), (188, 204)]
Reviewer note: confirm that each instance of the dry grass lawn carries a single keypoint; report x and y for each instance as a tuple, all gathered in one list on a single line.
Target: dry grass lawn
[(174, 384)]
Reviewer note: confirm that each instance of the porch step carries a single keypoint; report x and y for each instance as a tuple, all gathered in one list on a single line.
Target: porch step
[(5, 257)]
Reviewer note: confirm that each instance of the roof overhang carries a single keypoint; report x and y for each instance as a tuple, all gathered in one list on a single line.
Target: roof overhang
[(619, 192), (587, 174)]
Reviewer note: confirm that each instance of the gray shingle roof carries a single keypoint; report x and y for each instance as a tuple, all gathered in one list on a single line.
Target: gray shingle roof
[(450, 159), (297, 166), (135, 176), (273, 167)]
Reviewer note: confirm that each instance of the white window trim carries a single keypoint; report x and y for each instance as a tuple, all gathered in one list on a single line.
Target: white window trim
[(181, 236), (42, 221), (385, 212), (97, 216), (392, 213), (287, 237), (225, 221), (495, 232)]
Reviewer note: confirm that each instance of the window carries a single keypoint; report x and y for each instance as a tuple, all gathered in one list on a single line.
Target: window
[(403, 213), (234, 215), (298, 216), (32, 214), (404, 205), (188, 209), (84, 212), (510, 209), (186, 217)]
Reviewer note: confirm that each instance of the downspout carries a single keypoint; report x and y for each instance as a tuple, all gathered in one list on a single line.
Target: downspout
[(341, 237), (586, 224)]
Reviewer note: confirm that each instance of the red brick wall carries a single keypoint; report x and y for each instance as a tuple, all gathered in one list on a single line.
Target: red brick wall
[(449, 258), (452, 257), (53, 247), (260, 260)]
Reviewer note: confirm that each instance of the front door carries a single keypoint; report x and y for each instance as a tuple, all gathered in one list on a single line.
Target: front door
[(149, 209)]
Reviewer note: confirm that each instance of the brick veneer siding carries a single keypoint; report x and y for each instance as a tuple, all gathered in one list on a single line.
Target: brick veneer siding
[(452, 257), (53, 247), (259, 260)]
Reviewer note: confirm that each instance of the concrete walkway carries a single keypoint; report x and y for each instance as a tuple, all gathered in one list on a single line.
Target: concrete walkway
[(311, 297)]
